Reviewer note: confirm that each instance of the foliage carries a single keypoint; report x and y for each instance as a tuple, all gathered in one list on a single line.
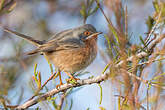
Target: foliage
[(87, 10)]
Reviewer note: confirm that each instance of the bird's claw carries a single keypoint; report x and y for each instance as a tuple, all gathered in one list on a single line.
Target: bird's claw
[(58, 86), (72, 80)]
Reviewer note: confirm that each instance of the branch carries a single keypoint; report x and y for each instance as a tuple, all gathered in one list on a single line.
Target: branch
[(144, 54), (153, 29), (61, 100), (54, 75), (62, 88), (148, 82), (8, 4), (130, 99)]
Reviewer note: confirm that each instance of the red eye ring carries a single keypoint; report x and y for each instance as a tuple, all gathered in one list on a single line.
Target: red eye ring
[(87, 33)]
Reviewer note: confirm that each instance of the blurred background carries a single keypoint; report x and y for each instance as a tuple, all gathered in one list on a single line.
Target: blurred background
[(42, 19)]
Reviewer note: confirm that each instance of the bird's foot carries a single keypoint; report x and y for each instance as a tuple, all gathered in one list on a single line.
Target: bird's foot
[(58, 86), (72, 80)]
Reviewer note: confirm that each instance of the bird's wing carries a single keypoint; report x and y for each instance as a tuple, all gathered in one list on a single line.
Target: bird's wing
[(71, 43), (60, 35)]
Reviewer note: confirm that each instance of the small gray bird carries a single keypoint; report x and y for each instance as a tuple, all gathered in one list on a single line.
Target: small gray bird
[(70, 50)]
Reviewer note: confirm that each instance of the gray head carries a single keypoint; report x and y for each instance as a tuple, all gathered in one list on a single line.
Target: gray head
[(87, 27), (85, 32)]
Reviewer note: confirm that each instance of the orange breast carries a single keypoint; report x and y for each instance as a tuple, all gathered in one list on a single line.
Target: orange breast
[(74, 60)]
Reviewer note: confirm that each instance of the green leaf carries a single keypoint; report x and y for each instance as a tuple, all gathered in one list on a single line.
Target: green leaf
[(106, 67), (150, 23), (142, 41), (90, 11), (102, 108), (90, 2), (159, 76), (51, 98), (87, 10), (12, 7), (156, 5), (149, 85), (35, 70), (54, 104), (109, 45), (83, 13), (39, 79), (71, 104), (101, 94), (95, 10), (114, 32), (38, 108), (51, 68), (1, 4), (66, 104)]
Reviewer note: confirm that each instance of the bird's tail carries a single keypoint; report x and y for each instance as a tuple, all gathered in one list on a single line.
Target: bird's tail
[(28, 38)]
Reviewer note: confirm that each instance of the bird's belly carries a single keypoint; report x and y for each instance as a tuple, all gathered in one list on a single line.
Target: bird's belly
[(72, 60)]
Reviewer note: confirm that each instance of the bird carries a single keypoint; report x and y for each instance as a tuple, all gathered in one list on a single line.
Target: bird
[(69, 51)]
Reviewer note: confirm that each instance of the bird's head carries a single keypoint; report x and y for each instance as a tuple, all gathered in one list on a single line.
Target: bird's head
[(86, 32)]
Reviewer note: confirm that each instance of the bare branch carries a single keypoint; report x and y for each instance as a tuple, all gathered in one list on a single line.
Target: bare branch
[(144, 54), (66, 86), (54, 75), (62, 100), (153, 29)]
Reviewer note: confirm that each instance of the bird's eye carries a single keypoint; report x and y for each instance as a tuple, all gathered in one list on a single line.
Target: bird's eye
[(87, 33)]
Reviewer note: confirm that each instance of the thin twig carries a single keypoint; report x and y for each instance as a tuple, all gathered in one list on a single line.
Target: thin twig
[(134, 76), (144, 54), (54, 75), (153, 29), (148, 97), (7, 4), (142, 80), (129, 99), (50, 78), (110, 23), (108, 20), (126, 22), (61, 100), (150, 61)]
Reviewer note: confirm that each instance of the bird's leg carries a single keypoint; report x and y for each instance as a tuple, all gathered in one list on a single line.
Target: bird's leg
[(61, 83), (71, 77), (60, 78)]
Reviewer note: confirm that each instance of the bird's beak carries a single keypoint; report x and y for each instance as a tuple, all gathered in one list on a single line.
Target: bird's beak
[(93, 35)]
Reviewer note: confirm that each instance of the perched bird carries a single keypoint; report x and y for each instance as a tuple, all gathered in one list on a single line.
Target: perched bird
[(70, 50)]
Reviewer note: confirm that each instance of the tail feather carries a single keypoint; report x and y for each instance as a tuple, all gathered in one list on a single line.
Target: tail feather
[(28, 38)]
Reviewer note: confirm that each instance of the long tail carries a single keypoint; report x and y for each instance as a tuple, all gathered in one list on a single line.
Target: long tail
[(28, 38)]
